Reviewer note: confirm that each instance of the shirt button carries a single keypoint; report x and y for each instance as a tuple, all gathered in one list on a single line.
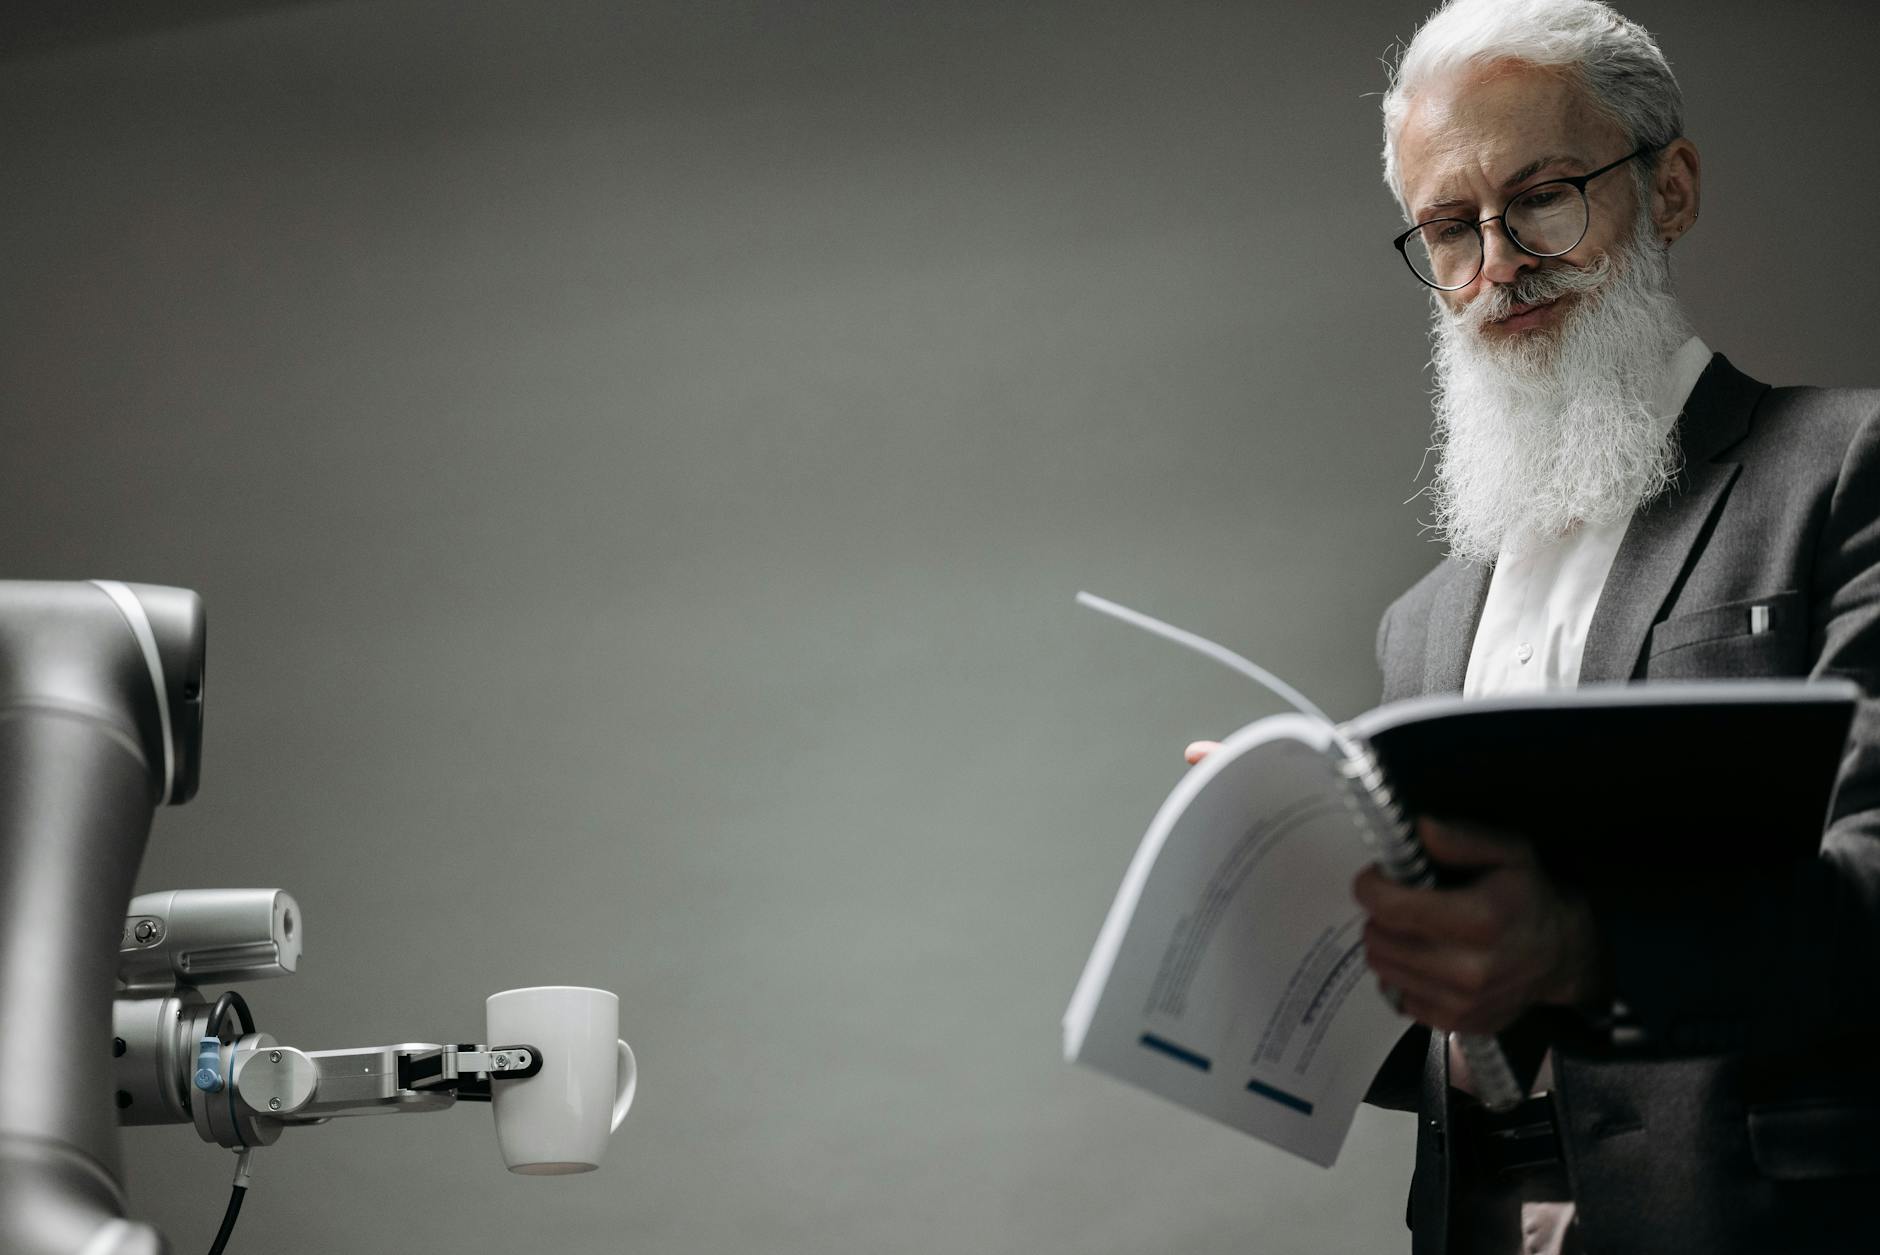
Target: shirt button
[(1523, 652)]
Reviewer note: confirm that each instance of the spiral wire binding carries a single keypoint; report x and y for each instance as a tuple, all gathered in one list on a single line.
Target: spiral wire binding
[(1374, 808), (1385, 827)]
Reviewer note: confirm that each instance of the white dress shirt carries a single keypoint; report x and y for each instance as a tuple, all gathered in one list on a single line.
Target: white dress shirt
[(1532, 637)]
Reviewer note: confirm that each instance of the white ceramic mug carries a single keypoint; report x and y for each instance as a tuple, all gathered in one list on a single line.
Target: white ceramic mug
[(557, 1121)]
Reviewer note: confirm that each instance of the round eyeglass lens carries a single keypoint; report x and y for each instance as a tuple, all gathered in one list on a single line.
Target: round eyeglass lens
[(1549, 219), (1445, 253)]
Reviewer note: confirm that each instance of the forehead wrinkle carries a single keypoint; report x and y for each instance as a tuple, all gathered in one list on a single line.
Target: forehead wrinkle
[(1513, 182), (1490, 130)]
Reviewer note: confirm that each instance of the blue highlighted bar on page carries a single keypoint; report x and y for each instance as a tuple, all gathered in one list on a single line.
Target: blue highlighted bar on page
[(1281, 1097), (1175, 1052)]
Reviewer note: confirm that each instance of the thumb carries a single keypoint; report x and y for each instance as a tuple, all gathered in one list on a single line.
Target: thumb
[(1199, 750), (1468, 845)]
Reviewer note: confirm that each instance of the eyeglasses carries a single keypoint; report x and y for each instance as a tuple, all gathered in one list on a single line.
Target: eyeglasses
[(1544, 220)]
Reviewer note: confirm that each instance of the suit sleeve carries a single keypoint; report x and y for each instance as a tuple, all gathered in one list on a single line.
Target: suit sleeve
[(1730, 965)]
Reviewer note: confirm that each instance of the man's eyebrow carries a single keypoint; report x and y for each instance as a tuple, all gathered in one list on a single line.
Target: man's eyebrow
[(1436, 208), (1534, 167)]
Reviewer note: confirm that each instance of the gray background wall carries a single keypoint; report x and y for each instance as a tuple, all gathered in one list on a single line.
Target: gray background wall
[(638, 459)]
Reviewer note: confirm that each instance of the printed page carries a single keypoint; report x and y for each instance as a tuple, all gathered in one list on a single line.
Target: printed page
[(1229, 976)]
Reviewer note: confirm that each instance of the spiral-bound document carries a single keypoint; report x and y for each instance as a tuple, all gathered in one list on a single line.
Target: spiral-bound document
[(1229, 974)]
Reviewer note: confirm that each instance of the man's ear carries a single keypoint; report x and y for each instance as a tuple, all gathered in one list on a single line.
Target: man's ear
[(1677, 187)]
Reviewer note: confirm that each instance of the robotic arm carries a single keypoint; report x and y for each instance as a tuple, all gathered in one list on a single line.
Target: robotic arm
[(174, 1065), (101, 692)]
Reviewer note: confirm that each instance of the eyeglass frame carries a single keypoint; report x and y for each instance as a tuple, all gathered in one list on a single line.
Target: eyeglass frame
[(1577, 181)]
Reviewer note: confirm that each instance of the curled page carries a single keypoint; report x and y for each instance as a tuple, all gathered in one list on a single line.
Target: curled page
[(1229, 975)]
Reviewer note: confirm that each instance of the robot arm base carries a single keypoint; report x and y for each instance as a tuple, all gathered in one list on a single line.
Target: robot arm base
[(54, 1201)]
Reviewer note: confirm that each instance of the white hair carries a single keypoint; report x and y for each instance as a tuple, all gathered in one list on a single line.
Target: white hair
[(1615, 61)]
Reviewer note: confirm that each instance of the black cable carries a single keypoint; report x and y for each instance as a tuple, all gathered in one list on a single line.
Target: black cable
[(220, 1013), (230, 1001), (228, 1219)]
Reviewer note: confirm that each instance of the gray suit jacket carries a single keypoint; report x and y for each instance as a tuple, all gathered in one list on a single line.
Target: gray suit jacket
[(1735, 1106)]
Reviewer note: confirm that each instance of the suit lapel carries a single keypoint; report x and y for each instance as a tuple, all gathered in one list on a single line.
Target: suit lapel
[(1453, 618), (1660, 542)]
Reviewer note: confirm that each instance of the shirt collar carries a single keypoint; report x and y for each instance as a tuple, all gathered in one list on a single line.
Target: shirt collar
[(1680, 376)]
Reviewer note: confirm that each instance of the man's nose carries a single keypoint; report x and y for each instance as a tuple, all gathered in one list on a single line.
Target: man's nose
[(1502, 262)]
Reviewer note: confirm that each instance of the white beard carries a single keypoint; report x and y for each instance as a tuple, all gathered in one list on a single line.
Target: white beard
[(1548, 430)]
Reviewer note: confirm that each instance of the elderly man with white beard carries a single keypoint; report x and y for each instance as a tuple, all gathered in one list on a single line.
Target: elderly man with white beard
[(1620, 504)]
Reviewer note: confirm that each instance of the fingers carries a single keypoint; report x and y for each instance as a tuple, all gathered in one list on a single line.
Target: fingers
[(1199, 750), (1435, 970), (1466, 845), (1452, 992), (1460, 959), (1475, 914), (1392, 995), (1444, 1013), (1472, 957)]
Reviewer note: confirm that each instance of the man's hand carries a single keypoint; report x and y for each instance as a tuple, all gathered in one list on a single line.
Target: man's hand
[(1471, 959)]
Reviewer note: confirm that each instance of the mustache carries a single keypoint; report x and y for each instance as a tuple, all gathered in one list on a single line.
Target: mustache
[(1533, 287)]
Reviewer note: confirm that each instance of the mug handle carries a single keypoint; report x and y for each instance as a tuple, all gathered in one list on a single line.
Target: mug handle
[(629, 1080)]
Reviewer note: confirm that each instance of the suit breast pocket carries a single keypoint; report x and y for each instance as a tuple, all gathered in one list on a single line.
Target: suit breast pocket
[(1757, 636)]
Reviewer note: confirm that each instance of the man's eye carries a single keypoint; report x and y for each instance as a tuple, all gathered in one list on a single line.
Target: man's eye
[(1451, 232), (1540, 198)]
